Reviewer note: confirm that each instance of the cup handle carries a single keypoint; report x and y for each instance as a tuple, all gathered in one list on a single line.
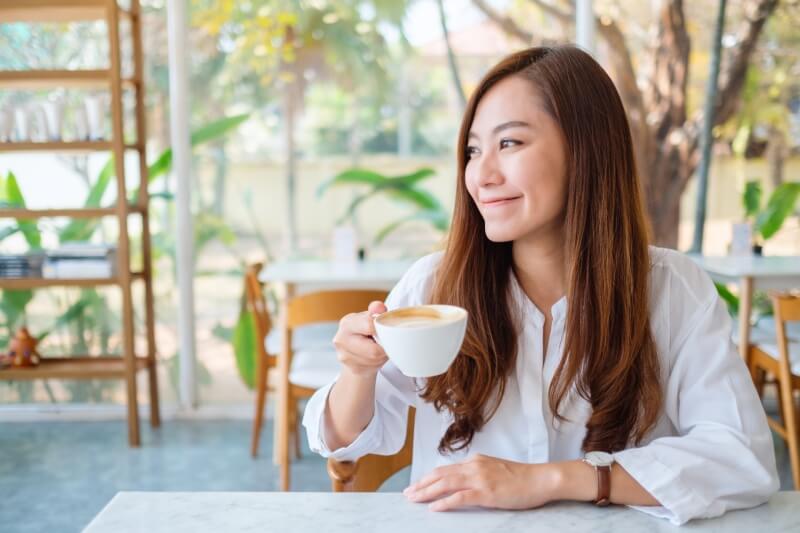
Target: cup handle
[(375, 337)]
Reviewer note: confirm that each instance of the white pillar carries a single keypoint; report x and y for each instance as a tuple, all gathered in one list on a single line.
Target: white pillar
[(179, 91), (584, 25)]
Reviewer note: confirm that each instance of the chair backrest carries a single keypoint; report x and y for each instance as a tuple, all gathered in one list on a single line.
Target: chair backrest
[(371, 471), (787, 309), (329, 306), (255, 302)]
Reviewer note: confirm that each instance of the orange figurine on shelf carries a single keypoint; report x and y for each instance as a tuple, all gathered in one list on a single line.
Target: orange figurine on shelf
[(22, 350)]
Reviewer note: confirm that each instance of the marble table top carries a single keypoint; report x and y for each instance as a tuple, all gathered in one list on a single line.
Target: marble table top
[(179, 512)]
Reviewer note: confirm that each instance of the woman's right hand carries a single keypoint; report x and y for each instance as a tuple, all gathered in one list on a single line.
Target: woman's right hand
[(356, 349)]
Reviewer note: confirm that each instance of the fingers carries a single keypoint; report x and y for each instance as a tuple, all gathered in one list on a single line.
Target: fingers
[(442, 481), (355, 347), (463, 498), (376, 308)]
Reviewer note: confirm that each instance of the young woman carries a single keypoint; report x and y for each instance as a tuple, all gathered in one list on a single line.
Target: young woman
[(581, 338)]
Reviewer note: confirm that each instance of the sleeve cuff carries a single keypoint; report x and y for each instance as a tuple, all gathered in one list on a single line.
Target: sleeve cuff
[(314, 422), (679, 504)]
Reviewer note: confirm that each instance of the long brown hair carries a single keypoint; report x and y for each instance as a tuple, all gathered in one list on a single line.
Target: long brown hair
[(609, 356)]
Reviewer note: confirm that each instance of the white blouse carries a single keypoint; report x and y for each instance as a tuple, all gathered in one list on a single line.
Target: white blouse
[(711, 450)]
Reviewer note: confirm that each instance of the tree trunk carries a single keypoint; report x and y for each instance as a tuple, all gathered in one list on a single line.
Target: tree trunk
[(451, 57), (776, 155)]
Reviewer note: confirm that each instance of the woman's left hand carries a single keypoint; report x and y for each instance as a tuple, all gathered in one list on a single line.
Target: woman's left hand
[(486, 482)]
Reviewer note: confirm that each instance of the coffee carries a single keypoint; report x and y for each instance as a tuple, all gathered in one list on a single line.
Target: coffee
[(416, 317), (422, 341)]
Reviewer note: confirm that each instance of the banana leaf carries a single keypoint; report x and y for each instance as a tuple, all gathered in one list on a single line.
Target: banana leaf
[(374, 179), (780, 205), (81, 230), (29, 228), (437, 218), (244, 347), (74, 311)]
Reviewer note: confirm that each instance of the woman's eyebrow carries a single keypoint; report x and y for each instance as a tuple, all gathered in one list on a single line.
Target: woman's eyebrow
[(504, 126)]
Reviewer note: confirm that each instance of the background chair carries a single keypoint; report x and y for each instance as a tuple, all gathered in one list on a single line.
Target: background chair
[(302, 372), (782, 361), (371, 471), (268, 342)]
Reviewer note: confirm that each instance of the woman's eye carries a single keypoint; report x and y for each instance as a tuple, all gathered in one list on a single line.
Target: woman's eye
[(471, 151), (507, 143)]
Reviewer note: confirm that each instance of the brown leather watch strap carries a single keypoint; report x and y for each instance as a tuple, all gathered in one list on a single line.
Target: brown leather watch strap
[(603, 485)]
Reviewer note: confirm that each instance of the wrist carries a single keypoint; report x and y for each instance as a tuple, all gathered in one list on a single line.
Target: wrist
[(360, 375), (574, 480)]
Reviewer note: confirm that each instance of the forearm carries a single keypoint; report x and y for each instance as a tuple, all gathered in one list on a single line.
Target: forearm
[(577, 480), (350, 407)]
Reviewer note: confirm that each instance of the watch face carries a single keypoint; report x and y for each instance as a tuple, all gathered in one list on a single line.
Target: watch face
[(599, 458)]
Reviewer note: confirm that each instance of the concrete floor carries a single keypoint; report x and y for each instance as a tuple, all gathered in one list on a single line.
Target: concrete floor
[(56, 476)]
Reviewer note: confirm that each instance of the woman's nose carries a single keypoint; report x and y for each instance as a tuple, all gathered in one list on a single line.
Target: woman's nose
[(488, 171)]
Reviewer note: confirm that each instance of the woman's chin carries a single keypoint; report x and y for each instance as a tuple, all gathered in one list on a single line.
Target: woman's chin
[(501, 234)]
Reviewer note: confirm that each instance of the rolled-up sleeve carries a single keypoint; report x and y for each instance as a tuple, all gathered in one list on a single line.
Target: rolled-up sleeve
[(394, 392), (722, 458), (386, 431)]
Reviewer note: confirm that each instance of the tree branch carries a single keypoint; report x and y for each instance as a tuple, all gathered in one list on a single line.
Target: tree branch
[(732, 78), (506, 23)]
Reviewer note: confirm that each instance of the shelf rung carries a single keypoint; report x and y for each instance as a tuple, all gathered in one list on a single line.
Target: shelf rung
[(79, 367), (55, 10), (91, 212), (40, 283), (62, 146), (45, 79)]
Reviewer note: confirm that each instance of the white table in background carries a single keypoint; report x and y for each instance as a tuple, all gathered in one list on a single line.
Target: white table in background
[(298, 512), (751, 273), (326, 275)]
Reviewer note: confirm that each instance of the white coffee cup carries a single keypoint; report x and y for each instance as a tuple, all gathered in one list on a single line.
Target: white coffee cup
[(422, 341)]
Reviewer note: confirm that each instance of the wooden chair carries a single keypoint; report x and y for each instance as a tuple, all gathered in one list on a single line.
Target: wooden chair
[(371, 471), (301, 373), (268, 345), (782, 361)]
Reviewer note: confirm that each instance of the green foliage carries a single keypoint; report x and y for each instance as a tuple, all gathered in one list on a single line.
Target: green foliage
[(751, 198), (244, 347), (779, 206), (730, 299), (769, 220), (404, 188), (13, 198)]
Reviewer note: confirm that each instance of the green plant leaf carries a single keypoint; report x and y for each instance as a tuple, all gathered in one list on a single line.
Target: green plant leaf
[(730, 299), (781, 203), (351, 177), (74, 312), (81, 230), (437, 218), (244, 347), (751, 198), (416, 197), (13, 304), (8, 232), (360, 176), (29, 228), (209, 132)]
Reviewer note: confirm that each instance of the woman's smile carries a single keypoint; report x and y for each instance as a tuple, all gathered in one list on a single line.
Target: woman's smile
[(494, 203)]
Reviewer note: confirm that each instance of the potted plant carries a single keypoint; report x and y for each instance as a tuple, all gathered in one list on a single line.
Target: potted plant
[(767, 221)]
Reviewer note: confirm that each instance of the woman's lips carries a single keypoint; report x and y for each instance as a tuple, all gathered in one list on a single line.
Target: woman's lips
[(499, 202)]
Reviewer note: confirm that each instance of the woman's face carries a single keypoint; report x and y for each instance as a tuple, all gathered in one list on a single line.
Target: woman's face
[(515, 170)]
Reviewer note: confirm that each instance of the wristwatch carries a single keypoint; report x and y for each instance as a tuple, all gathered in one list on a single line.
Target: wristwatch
[(601, 461)]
